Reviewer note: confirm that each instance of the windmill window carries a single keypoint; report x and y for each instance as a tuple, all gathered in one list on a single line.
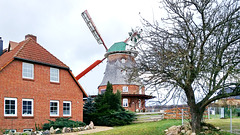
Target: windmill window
[(140, 102), (125, 102), (124, 72), (125, 88), (103, 91), (123, 60)]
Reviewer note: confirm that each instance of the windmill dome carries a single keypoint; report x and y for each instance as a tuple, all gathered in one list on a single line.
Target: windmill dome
[(119, 46)]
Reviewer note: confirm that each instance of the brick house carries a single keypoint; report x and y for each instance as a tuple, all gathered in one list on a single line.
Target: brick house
[(35, 86), (120, 58)]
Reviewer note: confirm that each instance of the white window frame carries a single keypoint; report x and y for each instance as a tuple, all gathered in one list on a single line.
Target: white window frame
[(125, 88), (55, 76), (31, 108), (68, 102), (140, 103), (15, 99), (140, 90), (30, 68), (54, 101), (125, 102)]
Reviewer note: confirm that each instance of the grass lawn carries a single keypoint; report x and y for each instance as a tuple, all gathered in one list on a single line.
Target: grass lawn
[(157, 128), (150, 128), (225, 124)]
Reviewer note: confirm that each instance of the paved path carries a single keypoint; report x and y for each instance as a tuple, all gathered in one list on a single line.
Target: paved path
[(97, 129)]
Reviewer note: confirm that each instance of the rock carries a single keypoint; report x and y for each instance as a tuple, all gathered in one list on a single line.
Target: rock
[(17, 133), (67, 130), (82, 128), (205, 127), (91, 125), (47, 132), (38, 132), (87, 127), (57, 131), (183, 131), (174, 130), (52, 131), (193, 133), (63, 130), (189, 132), (75, 130)]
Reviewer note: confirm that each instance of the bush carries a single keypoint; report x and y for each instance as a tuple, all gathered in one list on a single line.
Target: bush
[(62, 122), (120, 118), (106, 109)]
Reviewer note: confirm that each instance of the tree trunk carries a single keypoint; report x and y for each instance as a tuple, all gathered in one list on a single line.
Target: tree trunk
[(196, 116)]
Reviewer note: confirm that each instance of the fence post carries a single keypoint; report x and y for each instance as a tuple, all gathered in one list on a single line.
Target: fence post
[(209, 113), (182, 116), (230, 119)]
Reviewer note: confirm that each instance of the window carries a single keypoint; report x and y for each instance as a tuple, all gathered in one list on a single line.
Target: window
[(125, 88), (27, 130), (54, 75), (103, 91), (125, 102), (27, 70), (140, 103), (54, 108), (12, 130), (10, 106), (124, 72), (123, 60), (27, 107), (67, 108), (140, 90)]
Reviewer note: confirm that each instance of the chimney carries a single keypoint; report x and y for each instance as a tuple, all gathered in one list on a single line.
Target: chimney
[(31, 36), (1, 46)]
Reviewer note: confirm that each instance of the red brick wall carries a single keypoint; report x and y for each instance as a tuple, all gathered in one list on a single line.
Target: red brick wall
[(132, 89), (41, 90), (133, 102)]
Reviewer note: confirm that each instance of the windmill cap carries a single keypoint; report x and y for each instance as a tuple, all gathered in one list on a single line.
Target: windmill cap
[(119, 46)]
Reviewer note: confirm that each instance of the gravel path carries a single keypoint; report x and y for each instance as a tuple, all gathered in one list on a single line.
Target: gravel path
[(97, 129)]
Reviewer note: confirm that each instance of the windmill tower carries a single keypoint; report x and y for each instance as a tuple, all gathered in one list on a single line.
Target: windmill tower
[(120, 56)]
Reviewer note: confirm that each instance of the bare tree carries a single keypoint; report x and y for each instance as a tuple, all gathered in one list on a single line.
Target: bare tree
[(194, 51)]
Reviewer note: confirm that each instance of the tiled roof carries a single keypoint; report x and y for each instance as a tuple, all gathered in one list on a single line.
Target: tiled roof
[(30, 50)]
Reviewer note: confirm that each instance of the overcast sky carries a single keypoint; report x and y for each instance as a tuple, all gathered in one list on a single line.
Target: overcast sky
[(61, 30)]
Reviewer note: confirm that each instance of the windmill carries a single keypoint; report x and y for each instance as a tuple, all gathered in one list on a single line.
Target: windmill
[(133, 36), (120, 56)]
